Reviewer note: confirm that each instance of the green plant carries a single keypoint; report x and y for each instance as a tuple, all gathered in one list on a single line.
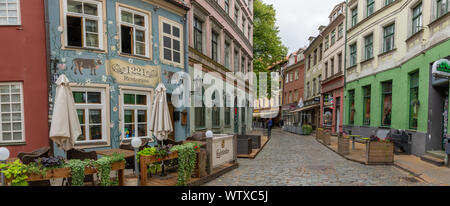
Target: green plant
[(149, 151), (187, 158), (307, 129), (16, 172), (77, 168), (154, 168), (103, 166)]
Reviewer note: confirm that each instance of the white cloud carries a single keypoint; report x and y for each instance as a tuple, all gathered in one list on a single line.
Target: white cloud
[(300, 19)]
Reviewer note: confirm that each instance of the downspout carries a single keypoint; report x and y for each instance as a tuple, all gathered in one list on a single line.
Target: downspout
[(186, 70), (345, 60), (48, 63)]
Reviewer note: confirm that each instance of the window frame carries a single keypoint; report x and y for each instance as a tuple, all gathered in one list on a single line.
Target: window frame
[(22, 114), (86, 107), (368, 45), (417, 19), (438, 14), (386, 36), (370, 7), (413, 87), (367, 94), (215, 46), (354, 19), (172, 24), (99, 18), (383, 94), (146, 28), (148, 107), (19, 15), (353, 54), (351, 105)]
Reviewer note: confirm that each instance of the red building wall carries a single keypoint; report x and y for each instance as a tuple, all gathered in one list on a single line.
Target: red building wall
[(23, 59), (295, 84)]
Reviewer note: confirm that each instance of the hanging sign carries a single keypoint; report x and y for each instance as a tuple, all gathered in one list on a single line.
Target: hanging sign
[(441, 68), (126, 73), (300, 103)]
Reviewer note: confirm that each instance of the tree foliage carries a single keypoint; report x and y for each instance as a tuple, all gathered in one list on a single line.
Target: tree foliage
[(267, 46)]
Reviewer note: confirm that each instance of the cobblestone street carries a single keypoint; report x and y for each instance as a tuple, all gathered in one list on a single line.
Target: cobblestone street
[(292, 160)]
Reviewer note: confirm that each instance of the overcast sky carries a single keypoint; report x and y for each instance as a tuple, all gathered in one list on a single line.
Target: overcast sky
[(300, 19)]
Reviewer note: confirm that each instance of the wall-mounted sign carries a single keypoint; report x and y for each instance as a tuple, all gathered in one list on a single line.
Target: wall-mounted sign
[(441, 68), (126, 73), (300, 103)]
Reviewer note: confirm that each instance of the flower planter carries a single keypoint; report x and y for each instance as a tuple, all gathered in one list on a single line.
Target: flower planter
[(319, 133), (343, 145), (326, 138), (380, 153)]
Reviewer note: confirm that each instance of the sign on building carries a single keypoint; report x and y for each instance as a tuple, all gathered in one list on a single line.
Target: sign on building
[(126, 73), (441, 68)]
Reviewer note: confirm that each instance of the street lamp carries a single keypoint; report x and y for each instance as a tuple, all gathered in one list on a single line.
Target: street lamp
[(209, 134), (136, 143), (4, 155)]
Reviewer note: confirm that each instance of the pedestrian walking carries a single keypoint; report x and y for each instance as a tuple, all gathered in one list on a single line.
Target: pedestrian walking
[(269, 127)]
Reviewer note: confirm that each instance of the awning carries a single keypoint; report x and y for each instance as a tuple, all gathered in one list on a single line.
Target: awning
[(267, 114), (305, 108)]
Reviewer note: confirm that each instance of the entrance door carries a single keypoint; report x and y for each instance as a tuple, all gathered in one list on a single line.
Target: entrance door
[(171, 112), (444, 120), (236, 117)]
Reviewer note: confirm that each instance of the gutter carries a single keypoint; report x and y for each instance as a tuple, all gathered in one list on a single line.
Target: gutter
[(48, 63)]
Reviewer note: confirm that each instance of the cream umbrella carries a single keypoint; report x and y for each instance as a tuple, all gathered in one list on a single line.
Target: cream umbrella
[(65, 127), (160, 122)]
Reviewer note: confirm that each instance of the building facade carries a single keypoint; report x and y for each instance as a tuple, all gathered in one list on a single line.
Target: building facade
[(115, 53), (221, 46), (391, 49), (23, 76), (293, 88), (313, 77), (332, 83)]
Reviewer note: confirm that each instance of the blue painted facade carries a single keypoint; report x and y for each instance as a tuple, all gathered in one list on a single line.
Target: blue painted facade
[(62, 59)]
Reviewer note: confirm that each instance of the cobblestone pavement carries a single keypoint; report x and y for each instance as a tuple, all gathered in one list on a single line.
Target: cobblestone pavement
[(292, 160)]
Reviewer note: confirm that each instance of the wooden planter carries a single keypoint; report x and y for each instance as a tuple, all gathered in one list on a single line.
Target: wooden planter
[(343, 145), (379, 153), (326, 139), (319, 133)]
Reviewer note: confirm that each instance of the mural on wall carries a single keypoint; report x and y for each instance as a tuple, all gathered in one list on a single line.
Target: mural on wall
[(79, 64)]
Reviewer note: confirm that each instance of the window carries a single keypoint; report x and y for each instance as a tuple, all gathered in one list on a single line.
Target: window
[(171, 39), (315, 57), (243, 65), (332, 66), (387, 2), (387, 103), (214, 46), (320, 52), (198, 35), (11, 111), (333, 37), (314, 87), (417, 19), (227, 55), (249, 31), (134, 32), (296, 74), (215, 114), (227, 6), (368, 50), (200, 111), (414, 100), (291, 77), (441, 7), (9, 12), (83, 22), (366, 109), (287, 78), (236, 61), (340, 30), (370, 7), (340, 62), (308, 90), (236, 15), (91, 110), (354, 16), (353, 55), (326, 70), (243, 24), (295, 95), (388, 41), (351, 109), (327, 42), (227, 110), (135, 114)]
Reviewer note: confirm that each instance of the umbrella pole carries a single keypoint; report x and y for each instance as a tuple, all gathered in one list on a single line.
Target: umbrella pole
[(163, 173)]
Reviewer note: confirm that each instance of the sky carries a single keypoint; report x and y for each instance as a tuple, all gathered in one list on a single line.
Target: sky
[(300, 19)]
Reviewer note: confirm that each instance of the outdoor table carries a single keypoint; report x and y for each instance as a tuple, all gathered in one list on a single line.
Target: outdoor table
[(109, 152)]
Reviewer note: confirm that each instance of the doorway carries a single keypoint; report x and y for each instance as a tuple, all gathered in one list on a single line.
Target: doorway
[(171, 112), (338, 115)]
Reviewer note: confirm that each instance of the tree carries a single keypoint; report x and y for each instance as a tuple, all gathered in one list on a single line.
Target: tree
[(267, 46)]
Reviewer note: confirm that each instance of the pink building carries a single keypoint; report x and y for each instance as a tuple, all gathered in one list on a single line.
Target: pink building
[(332, 93), (221, 39)]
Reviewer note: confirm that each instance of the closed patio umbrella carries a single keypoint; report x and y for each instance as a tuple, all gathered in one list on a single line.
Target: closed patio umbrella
[(65, 127), (160, 122)]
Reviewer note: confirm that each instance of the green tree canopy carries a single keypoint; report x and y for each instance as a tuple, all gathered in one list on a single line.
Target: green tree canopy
[(267, 46)]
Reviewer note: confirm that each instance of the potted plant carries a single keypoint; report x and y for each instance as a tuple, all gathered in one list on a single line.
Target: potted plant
[(379, 151), (306, 129)]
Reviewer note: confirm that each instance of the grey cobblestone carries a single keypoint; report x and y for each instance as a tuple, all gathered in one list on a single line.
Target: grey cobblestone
[(294, 160)]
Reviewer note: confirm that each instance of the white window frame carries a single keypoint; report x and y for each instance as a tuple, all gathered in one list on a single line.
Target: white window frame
[(103, 107), (124, 107), (163, 20), (134, 27), (22, 115), (18, 15), (98, 18)]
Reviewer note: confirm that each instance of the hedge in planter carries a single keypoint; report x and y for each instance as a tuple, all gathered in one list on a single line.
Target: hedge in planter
[(307, 129)]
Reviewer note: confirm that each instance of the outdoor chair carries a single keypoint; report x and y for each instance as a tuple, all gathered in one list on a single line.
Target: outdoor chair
[(27, 158), (81, 155)]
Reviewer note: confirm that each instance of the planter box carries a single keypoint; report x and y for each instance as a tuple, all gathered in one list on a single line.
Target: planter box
[(380, 153), (244, 146), (343, 145), (326, 138), (256, 140), (319, 133)]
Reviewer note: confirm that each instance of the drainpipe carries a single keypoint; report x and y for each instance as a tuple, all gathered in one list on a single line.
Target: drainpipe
[(186, 70), (48, 63), (345, 59)]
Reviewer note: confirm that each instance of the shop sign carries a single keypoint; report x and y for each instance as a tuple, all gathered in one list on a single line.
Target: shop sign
[(222, 150), (300, 103), (126, 73), (441, 68)]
